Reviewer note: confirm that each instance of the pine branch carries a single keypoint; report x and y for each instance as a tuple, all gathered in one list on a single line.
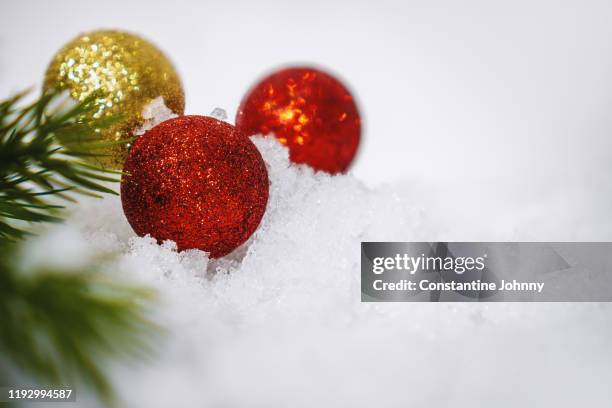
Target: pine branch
[(43, 154), (59, 326)]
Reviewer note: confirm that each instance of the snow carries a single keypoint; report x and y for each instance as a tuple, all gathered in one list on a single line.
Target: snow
[(219, 113), (279, 323), (154, 113)]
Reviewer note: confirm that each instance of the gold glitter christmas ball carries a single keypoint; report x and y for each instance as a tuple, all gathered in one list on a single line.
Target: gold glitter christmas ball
[(127, 71)]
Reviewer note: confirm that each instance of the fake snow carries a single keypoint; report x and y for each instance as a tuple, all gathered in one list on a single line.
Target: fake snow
[(279, 322), (154, 113)]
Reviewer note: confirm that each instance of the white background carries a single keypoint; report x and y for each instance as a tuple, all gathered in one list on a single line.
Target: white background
[(451, 92)]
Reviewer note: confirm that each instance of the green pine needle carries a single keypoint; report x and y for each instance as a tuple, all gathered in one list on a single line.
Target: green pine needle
[(46, 149), (59, 326)]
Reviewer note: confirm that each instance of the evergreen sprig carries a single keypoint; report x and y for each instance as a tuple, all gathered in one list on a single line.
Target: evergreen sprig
[(43, 154), (59, 326)]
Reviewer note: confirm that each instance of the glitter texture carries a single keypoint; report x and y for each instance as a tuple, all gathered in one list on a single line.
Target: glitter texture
[(309, 111), (128, 71), (197, 181)]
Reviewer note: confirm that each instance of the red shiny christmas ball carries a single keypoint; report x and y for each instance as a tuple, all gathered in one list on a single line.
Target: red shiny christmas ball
[(197, 181), (308, 110)]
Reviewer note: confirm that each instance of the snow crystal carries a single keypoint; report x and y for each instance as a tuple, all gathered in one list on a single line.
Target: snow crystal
[(279, 322), (219, 113), (154, 113)]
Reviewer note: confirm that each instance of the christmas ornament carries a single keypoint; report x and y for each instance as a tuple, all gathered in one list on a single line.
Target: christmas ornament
[(309, 111), (127, 71), (197, 181)]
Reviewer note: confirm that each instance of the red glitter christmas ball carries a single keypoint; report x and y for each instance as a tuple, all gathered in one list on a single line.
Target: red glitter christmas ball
[(197, 181), (308, 110)]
